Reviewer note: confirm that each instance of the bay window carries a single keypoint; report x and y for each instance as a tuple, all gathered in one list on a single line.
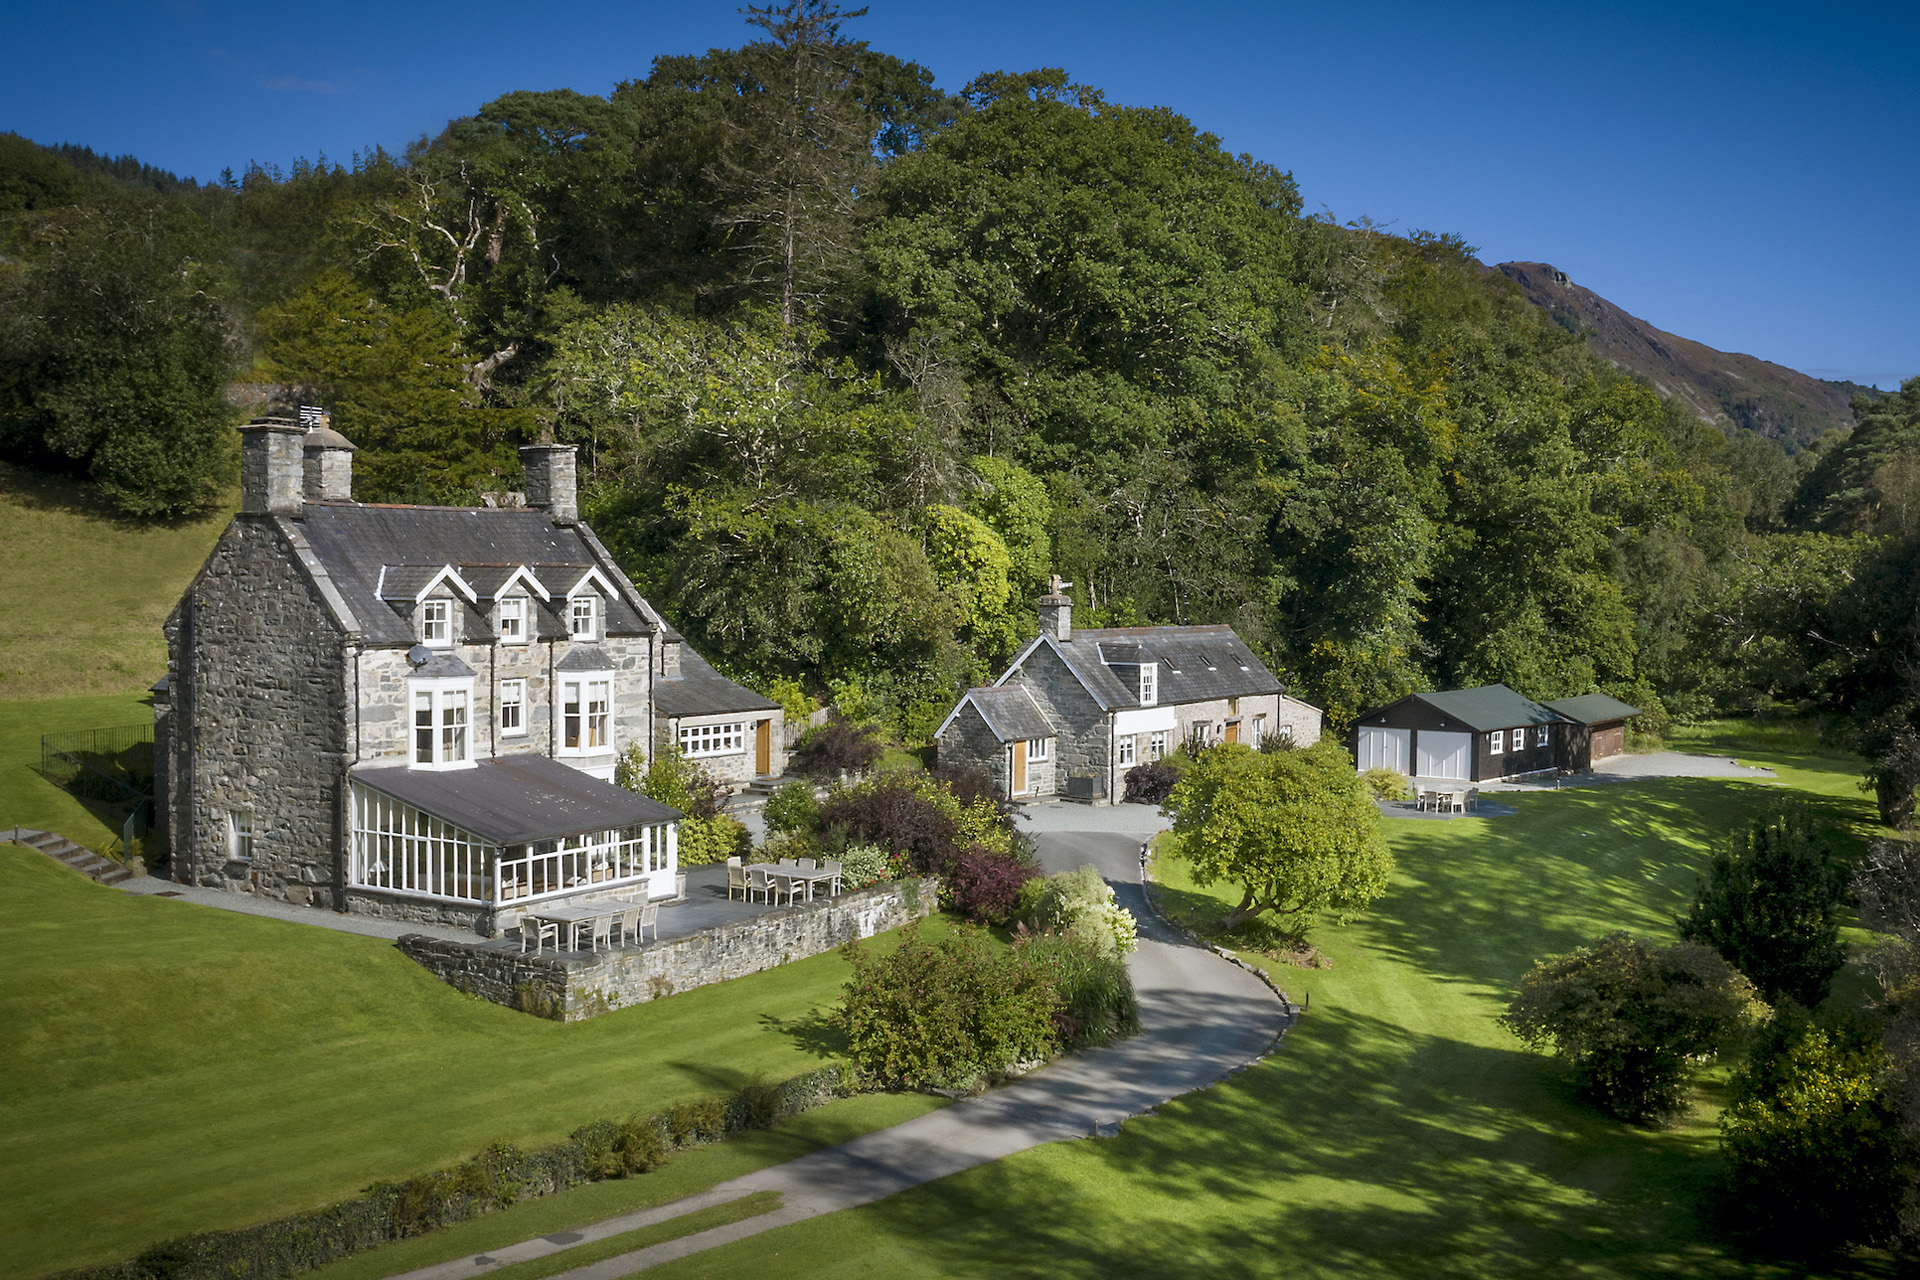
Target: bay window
[(586, 715), (440, 710)]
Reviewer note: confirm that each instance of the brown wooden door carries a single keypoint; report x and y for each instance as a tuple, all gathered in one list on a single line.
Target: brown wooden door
[(763, 747), (1233, 731), (1018, 786)]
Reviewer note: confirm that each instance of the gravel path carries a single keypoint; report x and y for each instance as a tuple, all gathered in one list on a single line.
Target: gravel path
[(1202, 1019)]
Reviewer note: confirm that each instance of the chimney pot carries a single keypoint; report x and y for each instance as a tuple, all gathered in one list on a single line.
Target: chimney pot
[(1056, 611), (551, 485), (271, 475), (329, 469)]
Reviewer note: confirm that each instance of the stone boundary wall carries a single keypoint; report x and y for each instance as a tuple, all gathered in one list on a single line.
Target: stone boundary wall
[(572, 989)]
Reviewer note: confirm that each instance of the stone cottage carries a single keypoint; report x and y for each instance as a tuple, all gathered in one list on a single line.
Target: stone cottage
[(416, 711), (1077, 709)]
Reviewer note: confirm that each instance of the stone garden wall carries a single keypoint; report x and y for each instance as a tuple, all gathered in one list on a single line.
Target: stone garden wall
[(571, 989)]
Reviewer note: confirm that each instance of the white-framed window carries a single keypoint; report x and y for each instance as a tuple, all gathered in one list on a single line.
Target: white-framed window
[(1157, 745), (583, 617), (436, 623), (1037, 748), (240, 835), (513, 620), (586, 714), (1259, 730), (440, 722), (513, 708), (1545, 736), (1496, 741), (713, 739), (1149, 683), (1123, 749), (1285, 733)]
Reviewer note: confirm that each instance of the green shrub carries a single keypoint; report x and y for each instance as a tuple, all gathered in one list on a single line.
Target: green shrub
[(792, 808), (1093, 996), (699, 1120), (862, 865), (1386, 784), (795, 702), (1813, 1145), (670, 778), (704, 841), (948, 1015), (1080, 903)]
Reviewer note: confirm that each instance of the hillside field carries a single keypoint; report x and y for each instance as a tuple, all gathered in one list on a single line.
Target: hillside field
[(85, 592)]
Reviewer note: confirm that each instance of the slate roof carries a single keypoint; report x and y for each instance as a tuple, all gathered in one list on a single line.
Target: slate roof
[(519, 799), (1196, 664), (699, 690), (1492, 706), (354, 542), (586, 658), (1593, 708), (1011, 713)]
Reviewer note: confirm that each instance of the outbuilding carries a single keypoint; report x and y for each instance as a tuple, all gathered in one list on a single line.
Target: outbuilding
[(1594, 728), (1468, 735)]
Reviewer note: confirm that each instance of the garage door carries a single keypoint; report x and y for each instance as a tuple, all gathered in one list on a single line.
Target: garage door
[(1384, 749), (1444, 755)]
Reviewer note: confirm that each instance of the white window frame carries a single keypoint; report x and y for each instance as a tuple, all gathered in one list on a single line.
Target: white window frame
[(1546, 736), (511, 624), (583, 617), (240, 835), (585, 730), (1496, 742), (1157, 745), (448, 725), (698, 741), (1149, 683), (436, 624), (1037, 748), (513, 708), (1124, 752), (1259, 730)]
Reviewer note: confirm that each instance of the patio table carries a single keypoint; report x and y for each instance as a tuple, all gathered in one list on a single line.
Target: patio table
[(570, 918), (793, 875)]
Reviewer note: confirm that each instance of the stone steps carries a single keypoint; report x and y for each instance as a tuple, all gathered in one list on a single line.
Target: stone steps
[(60, 849)]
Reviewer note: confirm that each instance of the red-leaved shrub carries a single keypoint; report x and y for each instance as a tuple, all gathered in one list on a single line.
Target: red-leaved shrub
[(1151, 783), (890, 813), (986, 885)]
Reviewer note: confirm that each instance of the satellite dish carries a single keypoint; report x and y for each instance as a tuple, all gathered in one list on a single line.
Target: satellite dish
[(419, 655)]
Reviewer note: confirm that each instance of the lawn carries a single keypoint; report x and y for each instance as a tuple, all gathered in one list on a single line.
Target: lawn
[(85, 590), (168, 1067), (1399, 1131), (27, 799)]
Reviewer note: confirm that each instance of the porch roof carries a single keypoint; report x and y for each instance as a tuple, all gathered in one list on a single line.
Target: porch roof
[(518, 799)]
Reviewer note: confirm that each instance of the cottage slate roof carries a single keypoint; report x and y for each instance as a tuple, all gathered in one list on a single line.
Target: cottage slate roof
[(1196, 664), (1492, 706), (699, 690), (443, 665), (354, 542), (1592, 708), (1011, 713), (586, 658), (518, 799)]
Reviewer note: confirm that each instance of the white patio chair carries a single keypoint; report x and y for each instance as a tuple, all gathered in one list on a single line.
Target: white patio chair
[(650, 919), (630, 923), (541, 932), (603, 927), (736, 878), (807, 864), (833, 877), (760, 881)]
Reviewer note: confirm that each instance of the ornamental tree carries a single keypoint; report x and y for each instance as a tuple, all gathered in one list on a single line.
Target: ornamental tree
[(1628, 1017), (1295, 830)]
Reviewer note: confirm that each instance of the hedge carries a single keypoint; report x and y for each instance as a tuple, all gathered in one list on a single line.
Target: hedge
[(493, 1179)]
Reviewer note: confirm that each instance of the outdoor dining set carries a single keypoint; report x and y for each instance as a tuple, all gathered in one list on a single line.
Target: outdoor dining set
[(1446, 799), (793, 877), (610, 923)]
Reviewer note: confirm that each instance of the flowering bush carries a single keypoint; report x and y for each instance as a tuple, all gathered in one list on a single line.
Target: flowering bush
[(1080, 903), (864, 864)]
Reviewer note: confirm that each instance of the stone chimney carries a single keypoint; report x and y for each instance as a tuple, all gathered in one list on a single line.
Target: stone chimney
[(329, 463), (270, 470), (550, 480), (1056, 611)]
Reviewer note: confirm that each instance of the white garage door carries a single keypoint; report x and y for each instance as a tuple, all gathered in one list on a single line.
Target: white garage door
[(1444, 755), (1384, 749)]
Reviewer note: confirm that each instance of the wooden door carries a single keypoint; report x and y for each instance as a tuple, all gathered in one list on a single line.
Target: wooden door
[(1018, 785), (1233, 731), (763, 747)]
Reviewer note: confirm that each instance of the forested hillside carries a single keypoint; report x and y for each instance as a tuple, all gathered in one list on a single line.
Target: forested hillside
[(854, 362)]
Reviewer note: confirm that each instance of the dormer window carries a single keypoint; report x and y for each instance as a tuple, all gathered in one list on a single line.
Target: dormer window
[(436, 623), (583, 617), (1149, 691), (513, 620)]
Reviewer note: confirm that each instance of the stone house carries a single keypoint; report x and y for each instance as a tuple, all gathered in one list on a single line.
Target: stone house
[(416, 711), (1077, 709)]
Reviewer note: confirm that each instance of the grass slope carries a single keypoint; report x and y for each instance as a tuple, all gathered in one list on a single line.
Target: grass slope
[(83, 592), (1399, 1131), (168, 1068), (27, 799)]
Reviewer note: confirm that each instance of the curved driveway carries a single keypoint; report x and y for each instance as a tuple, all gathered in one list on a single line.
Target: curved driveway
[(1201, 1019)]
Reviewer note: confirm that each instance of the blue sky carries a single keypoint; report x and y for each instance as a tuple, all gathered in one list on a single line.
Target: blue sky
[(1745, 175)]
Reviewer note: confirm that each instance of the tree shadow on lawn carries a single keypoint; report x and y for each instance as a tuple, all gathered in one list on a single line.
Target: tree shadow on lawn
[(1361, 1149)]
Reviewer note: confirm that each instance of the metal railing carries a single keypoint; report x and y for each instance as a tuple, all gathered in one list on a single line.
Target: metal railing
[(113, 764)]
